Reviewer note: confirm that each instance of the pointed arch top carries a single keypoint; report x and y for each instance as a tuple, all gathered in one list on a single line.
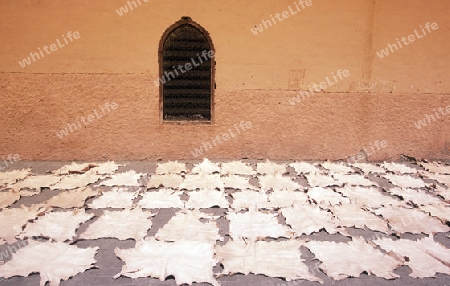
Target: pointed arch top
[(185, 20)]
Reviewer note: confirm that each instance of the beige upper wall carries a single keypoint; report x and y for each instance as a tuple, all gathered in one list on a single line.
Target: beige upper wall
[(422, 66), (325, 37)]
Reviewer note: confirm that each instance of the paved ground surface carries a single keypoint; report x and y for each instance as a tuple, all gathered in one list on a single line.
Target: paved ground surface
[(109, 265)]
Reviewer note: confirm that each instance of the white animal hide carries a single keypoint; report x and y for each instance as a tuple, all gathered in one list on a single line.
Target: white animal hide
[(304, 167), (369, 168), (278, 183), (206, 167), (186, 225), (342, 260), (398, 168), (273, 259), (187, 261), (404, 220), (306, 219), (237, 168), (256, 225), (72, 199), (206, 199), (326, 197), (237, 182), (7, 198), (122, 225), (54, 261), (405, 181), (426, 257), (270, 168), (248, 199), (162, 198), (354, 180), (173, 181), (129, 178), (11, 177), (75, 181), (118, 198), (171, 167), (13, 220), (59, 226), (318, 180), (337, 167), (203, 181), (350, 215), (37, 182)]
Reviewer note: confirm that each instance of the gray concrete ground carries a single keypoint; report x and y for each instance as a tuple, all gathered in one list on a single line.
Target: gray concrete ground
[(109, 265)]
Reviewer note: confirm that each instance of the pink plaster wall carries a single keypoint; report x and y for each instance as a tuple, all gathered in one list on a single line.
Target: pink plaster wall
[(115, 60)]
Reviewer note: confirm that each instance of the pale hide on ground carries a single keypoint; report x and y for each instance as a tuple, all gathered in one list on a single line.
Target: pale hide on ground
[(106, 168), (256, 225), (350, 215), (306, 219), (187, 261), (441, 191), (162, 198), (369, 168), (249, 199), (370, 197), (74, 168), (425, 256), (203, 181), (337, 167), (417, 197), (342, 260), (404, 220), (326, 197), (440, 211), (7, 198), (37, 182), (237, 182), (436, 168), (405, 181), (118, 198), (59, 226), (319, 180), (129, 178), (284, 199), (172, 181), (303, 168), (54, 261), (122, 225), (11, 177), (76, 181), (171, 167), (206, 199), (443, 179), (278, 183), (72, 199), (186, 225), (13, 220), (353, 180), (398, 168), (237, 168), (270, 168), (205, 167), (273, 259)]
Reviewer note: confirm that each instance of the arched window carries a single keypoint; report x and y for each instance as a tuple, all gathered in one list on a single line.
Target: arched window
[(186, 64)]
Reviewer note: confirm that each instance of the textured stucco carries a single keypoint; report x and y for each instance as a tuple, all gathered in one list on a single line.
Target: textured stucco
[(116, 60)]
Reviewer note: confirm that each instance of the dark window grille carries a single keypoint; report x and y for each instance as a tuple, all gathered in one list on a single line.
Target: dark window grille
[(186, 95)]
